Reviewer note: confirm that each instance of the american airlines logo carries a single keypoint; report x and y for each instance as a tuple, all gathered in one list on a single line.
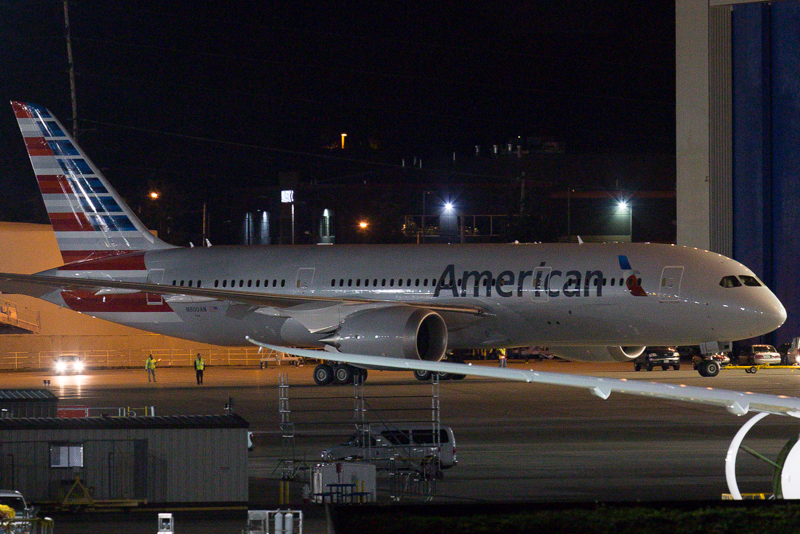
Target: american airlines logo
[(542, 281)]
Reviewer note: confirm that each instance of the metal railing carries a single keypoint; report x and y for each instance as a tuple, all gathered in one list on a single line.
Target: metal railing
[(21, 317), (30, 526), (182, 357)]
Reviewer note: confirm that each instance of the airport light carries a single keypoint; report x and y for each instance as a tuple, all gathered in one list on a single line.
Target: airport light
[(287, 197), (448, 207), (343, 136), (623, 207), (154, 195), (363, 225)]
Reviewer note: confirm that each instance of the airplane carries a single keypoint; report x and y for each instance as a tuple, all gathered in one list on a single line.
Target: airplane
[(392, 306), (587, 302)]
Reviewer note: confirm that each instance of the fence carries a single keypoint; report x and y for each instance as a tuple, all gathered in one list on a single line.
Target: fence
[(94, 359)]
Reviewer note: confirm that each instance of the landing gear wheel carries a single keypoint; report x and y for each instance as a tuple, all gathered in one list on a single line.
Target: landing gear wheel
[(323, 374), (422, 376), (343, 374), (709, 368)]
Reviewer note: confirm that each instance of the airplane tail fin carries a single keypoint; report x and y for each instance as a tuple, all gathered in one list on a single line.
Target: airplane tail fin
[(89, 218)]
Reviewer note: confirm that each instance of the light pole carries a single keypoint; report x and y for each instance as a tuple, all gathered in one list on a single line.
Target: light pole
[(624, 207), (287, 197)]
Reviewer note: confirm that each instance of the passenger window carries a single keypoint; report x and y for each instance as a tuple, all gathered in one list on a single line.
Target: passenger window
[(729, 281), (199, 283), (422, 437), (750, 281), (216, 283), (283, 283)]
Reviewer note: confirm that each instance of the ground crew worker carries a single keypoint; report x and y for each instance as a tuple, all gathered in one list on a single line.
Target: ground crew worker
[(502, 357), (150, 365), (199, 365)]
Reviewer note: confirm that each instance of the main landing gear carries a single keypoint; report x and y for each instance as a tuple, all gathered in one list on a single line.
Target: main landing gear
[(342, 373)]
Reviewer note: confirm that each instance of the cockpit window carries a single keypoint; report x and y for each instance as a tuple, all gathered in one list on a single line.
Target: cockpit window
[(751, 281), (730, 281)]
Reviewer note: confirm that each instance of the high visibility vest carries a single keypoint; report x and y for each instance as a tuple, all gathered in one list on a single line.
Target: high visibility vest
[(199, 364), (150, 363)]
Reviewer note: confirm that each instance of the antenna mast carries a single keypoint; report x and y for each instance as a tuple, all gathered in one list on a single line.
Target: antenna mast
[(71, 72)]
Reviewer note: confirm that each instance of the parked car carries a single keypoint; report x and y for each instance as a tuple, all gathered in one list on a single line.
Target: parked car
[(67, 364), (14, 500), (793, 352), (665, 357), (760, 355), (386, 445)]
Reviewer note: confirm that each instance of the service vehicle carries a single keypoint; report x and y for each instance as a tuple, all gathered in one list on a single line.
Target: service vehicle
[(403, 445), (68, 364), (14, 500), (664, 357)]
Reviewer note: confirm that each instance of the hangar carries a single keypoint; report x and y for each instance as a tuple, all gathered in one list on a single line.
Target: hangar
[(737, 117)]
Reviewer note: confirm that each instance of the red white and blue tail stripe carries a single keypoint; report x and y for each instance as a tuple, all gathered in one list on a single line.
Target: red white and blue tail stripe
[(89, 218)]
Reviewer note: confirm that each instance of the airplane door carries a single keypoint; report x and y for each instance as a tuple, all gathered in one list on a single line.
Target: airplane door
[(305, 277), (670, 286), (155, 276), (541, 279)]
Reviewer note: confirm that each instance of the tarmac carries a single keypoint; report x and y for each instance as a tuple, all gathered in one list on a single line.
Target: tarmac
[(516, 442)]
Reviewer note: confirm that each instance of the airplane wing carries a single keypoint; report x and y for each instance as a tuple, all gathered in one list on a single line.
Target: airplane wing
[(38, 285), (736, 402)]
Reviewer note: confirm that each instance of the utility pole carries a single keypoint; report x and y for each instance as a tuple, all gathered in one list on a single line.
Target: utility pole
[(71, 72)]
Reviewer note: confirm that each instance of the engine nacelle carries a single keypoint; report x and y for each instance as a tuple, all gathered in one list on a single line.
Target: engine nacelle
[(394, 332), (598, 353)]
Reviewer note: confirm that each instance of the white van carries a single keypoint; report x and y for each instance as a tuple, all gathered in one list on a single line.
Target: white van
[(385, 445)]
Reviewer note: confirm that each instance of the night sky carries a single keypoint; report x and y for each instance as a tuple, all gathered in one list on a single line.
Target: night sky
[(192, 97)]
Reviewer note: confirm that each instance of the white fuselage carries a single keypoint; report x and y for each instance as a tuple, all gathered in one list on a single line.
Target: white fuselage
[(537, 294)]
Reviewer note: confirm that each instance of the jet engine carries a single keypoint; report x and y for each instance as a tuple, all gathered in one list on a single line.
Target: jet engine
[(598, 353), (394, 332)]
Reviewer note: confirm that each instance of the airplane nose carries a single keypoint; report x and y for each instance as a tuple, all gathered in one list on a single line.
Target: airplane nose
[(779, 313), (771, 313)]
